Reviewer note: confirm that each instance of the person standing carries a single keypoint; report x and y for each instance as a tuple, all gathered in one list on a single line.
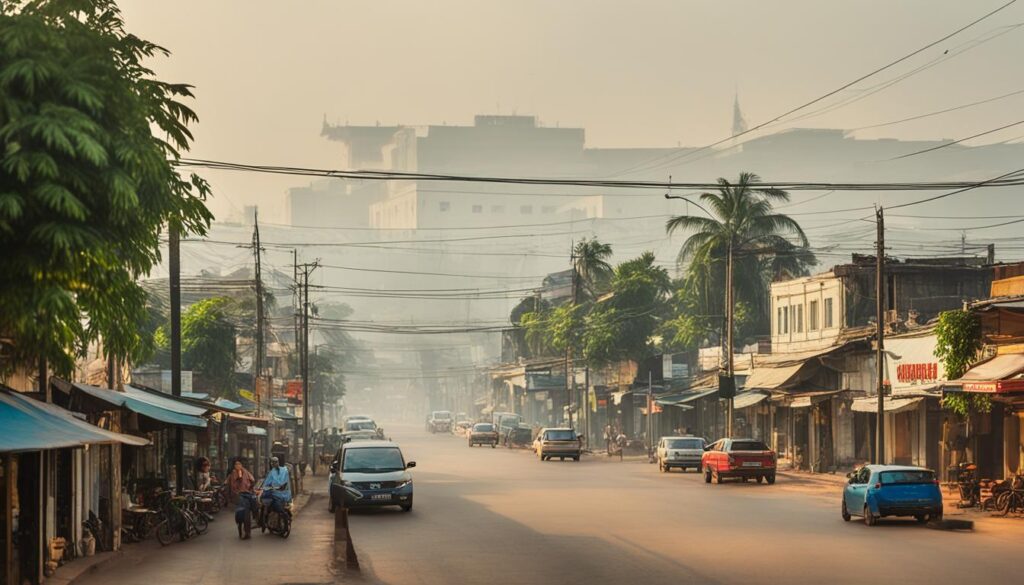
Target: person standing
[(240, 481)]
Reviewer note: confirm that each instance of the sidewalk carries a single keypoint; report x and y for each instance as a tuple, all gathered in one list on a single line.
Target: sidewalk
[(217, 557)]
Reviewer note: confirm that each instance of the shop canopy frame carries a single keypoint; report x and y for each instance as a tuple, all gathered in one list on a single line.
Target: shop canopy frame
[(167, 411), (31, 425)]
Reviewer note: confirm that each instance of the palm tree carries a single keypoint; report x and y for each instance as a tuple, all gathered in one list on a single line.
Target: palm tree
[(741, 223), (590, 261)]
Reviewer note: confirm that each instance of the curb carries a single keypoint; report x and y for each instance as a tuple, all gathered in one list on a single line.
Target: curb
[(58, 579)]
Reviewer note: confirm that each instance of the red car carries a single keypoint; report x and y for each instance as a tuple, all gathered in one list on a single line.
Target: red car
[(738, 458)]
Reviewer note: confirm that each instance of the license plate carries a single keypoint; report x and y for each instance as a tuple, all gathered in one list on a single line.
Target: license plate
[(751, 464), (380, 497)]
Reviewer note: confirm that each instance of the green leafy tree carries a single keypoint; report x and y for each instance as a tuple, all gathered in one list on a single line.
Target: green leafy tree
[(593, 272), (957, 344), (86, 185), (208, 335), (765, 246)]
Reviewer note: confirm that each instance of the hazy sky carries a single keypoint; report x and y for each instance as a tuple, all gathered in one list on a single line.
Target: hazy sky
[(633, 73)]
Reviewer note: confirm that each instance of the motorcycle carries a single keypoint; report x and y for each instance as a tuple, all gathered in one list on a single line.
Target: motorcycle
[(275, 522)]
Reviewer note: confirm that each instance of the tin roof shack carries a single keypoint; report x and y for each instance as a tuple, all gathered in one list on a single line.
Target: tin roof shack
[(917, 289)]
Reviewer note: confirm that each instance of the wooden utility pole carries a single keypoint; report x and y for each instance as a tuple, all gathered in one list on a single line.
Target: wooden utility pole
[(570, 379), (174, 266), (880, 317), (729, 309), (307, 269), (259, 352)]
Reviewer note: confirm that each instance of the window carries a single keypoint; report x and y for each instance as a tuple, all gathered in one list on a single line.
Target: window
[(497, 209), (478, 209), (748, 446), (907, 476), (828, 314), (526, 209), (373, 460), (445, 205), (547, 209), (785, 320), (560, 435), (682, 443), (800, 318), (778, 320), (812, 316)]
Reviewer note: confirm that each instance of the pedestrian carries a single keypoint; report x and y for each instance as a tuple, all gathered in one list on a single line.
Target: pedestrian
[(241, 481), (204, 479), (608, 439)]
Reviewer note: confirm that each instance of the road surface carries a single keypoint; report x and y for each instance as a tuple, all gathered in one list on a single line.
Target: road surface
[(500, 517)]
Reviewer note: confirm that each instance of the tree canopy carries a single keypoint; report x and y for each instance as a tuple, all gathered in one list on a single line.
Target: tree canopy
[(766, 246), (87, 186)]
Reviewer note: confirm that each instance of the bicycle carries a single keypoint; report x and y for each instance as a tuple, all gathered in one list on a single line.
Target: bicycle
[(1011, 500), (177, 520)]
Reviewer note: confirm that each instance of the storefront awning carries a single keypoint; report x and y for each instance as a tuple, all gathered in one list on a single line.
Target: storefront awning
[(748, 399), (999, 374), (770, 378), (891, 405), (30, 425), (809, 399), (180, 415)]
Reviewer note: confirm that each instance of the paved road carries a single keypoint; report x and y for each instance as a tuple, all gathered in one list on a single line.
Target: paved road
[(498, 516), (220, 558)]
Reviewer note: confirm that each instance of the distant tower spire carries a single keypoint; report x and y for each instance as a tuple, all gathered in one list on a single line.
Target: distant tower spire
[(739, 125)]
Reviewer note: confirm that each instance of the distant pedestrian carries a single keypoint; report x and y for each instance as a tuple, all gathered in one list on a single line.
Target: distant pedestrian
[(204, 478), (608, 439)]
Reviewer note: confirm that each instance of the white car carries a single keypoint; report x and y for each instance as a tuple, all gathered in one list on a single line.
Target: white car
[(682, 452)]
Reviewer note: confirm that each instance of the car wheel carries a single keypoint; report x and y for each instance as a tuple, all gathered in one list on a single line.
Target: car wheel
[(771, 478), (707, 475), (406, 507), (921, 518), (869, 518), (493, 445), (845, 512), (745, 479), (935, 517), (576, 458), (331, 506), (716, 478), (760, 478)]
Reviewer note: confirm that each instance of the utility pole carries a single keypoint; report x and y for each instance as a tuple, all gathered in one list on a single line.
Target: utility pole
[(174, 266), (728, 340), (258, 361), (307, 269), (880, 317), (570, 379)]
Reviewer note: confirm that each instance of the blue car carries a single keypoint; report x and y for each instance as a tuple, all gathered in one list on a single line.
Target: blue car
[(877, 491)]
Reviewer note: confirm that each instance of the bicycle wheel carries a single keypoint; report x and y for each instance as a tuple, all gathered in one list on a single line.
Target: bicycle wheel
[(164, 532), (1004, 503), (200, 522)]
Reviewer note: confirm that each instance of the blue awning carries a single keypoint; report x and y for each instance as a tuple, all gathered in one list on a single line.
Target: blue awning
[(227, 404), (30, 425), (282, 414), (161, 409)]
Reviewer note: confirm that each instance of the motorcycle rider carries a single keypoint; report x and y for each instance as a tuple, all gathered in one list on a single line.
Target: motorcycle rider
[(276, 489)]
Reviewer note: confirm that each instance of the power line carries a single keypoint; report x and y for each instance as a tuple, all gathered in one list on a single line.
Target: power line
[(840, 88), (936, 113), (958, 141)]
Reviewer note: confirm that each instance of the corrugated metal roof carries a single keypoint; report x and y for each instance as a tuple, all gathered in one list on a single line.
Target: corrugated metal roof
[(180, 415), (748, 399), (870, 404), (30, 425), (1000, 367)]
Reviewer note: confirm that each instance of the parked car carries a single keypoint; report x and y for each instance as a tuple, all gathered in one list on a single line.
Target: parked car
[(461, 427), (504, 422), (876, 491), (439, 421), (561, 442), (740, 459), (518, 437), (483, 434), (371, 474), (682, 452)]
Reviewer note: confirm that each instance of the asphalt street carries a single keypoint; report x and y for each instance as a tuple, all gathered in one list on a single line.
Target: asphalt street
[(499, 516)]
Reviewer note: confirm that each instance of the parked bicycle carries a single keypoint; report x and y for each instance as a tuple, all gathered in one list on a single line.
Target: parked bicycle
[(178, 519), (1012, 499)]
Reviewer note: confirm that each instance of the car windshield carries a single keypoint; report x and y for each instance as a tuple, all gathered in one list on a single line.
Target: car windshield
[(442, 415), (748, 446), (373, 460), (684, 444), (560, 436), (484, 428), (907, 476), (361, 425)]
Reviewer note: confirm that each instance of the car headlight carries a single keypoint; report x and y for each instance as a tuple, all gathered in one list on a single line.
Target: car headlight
[(345, 482), (403, 484)]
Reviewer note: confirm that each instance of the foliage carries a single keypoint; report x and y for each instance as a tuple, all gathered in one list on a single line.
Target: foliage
[(957, 341), (964, 403), (85, 186), (208, 337), (742, 218), (590, 260)]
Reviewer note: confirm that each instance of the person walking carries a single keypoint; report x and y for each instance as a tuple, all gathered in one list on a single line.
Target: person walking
[(241, 480), (240, 485)]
